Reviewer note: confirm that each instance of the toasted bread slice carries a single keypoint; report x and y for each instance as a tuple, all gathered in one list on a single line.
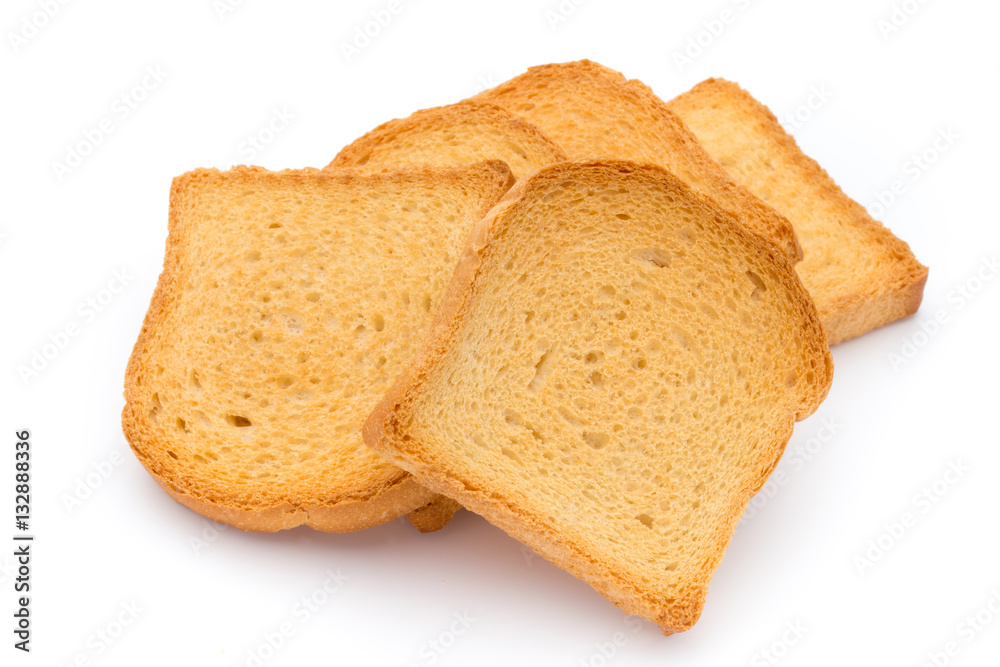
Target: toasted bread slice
[(460, 133), (287, 304), (594, 112), (859, 274), (613, 372)]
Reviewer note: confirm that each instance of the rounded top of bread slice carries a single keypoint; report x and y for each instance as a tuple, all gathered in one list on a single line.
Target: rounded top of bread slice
[(460, 133), (593, 111), (287, 304)]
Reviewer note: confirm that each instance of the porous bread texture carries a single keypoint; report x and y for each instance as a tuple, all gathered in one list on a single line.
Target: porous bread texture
[(612, 374), (461, 133), (859, 274), (592, 111), (287, 304)]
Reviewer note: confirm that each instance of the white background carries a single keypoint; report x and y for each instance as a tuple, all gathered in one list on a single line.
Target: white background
[(896, 428)]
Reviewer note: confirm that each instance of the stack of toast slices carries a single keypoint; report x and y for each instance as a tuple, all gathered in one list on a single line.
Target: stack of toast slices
[(586, 314)]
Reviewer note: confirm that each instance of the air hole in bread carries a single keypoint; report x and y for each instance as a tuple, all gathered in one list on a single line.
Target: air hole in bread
[(238, 421), (758, 286), (542, 370), (596, 440), (515, 420), (645, 520), (682, 338), (511, 454), (154, 408)]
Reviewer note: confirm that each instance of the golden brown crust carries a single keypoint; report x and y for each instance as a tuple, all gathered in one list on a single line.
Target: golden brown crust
[(615, 99), (524, 148), (522, 145), (385, 430), (886, 281), (435, 515), (370, 501)]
